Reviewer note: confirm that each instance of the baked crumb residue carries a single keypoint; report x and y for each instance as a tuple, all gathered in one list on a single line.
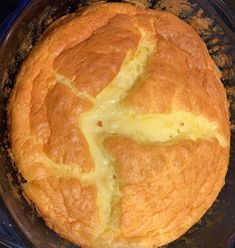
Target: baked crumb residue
[(230, 91), (200, 23), (176, 7)]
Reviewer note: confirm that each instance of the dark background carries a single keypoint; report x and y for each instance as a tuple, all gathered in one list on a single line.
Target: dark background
[(7, 6), (231, 4)]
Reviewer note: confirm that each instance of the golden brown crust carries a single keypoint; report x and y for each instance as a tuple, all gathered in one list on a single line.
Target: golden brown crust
[(63, 111), (166, 189), (94, 62), (67, 201), (81, 115)]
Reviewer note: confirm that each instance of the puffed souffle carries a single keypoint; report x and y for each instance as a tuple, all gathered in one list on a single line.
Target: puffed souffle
[(119, 125)]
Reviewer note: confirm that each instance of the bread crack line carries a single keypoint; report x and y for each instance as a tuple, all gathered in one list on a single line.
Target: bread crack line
[(69, 83), (109, 117)]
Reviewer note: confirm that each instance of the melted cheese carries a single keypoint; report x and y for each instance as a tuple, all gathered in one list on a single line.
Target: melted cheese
[(160, 128), (105, 103), (109, 117)]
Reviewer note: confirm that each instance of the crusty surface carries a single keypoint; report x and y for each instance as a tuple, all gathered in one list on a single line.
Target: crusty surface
[(119, 124)]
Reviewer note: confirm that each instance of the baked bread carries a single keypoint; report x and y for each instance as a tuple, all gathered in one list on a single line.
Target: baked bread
[(119, 125)]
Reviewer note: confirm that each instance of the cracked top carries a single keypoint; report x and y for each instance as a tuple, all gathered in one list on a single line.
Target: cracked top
[(119, 125)]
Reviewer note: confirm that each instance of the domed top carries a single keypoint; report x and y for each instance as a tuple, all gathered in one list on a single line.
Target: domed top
[(119, 125)]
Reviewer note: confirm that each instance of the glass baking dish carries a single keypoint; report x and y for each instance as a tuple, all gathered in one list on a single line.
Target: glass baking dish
[(216, 25)]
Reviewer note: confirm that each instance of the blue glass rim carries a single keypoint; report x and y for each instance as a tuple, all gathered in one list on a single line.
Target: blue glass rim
[(7, 23)]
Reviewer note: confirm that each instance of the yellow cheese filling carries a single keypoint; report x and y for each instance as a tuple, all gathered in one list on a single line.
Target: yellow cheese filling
[(109, 117), (105, 104)]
